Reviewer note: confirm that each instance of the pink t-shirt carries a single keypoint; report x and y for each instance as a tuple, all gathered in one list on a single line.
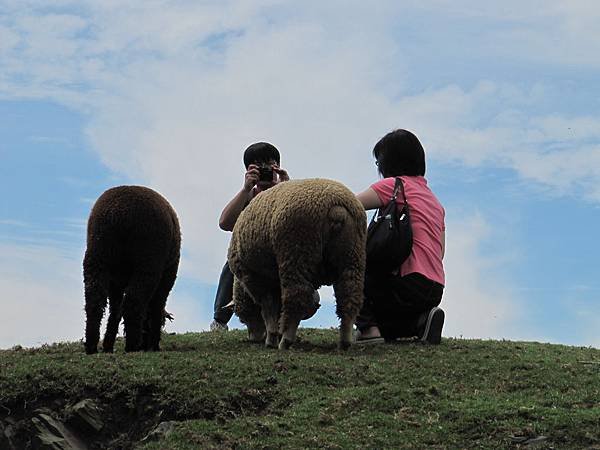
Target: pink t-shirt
[(427, 221)]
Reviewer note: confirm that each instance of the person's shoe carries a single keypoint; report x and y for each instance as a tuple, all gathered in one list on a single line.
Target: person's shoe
[(432, 334), (359, 339), (370, 340), (215, 325)]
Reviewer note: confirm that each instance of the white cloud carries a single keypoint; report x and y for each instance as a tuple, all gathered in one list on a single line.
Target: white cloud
[(15, 223), (41, 296), (477, 303), (476, 128), (175, 91), (547, 32), (8, 39), (193, 81)]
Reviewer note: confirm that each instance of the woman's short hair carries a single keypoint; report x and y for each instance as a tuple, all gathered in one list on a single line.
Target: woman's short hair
[(399, 153), (261, 152)]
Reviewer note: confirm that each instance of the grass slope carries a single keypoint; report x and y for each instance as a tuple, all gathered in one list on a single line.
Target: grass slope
[(228, 393)]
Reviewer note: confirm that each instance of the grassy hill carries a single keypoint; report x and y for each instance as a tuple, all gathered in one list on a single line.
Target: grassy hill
[(219, 391)]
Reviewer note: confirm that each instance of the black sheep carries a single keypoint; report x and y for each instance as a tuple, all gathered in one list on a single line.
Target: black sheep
[(132, 256)]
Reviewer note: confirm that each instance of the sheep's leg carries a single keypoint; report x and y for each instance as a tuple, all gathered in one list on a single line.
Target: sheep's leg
[(271, 309), (295, 300), (115, 297), (346, 324), (155, 316), (138, 294), (257, 292), (249, 312), (348, 289), (95, 303), (288, 336)]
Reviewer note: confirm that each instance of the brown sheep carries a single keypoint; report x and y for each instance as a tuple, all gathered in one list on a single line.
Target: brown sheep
[(289, 241), (132, 257)]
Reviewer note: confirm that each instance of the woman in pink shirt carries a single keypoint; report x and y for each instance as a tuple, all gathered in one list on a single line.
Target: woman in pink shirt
[(405, 302)]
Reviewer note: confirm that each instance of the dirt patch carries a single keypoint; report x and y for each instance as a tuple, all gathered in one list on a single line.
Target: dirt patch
[(97, 423)]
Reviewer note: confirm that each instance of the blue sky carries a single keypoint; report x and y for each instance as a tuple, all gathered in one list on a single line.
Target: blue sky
[(505, 99)]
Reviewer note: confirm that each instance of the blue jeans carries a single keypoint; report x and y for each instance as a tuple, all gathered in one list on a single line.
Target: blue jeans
[(224, 296)]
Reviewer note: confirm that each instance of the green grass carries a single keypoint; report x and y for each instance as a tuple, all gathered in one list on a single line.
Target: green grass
[(228, 393)]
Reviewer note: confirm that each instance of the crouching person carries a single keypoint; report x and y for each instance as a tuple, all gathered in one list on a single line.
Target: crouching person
[(405, 303)]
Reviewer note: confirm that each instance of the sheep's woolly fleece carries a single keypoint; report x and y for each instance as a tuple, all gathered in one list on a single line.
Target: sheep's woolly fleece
[(293, 238), (133, 250)]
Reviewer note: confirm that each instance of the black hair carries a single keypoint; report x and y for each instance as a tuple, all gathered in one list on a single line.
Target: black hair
[(261, 152), (399, 153)]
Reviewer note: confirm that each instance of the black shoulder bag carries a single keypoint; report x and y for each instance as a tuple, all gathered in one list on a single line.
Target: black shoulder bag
[(389, 236)]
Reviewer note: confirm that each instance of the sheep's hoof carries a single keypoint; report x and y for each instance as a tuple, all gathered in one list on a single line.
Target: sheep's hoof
[(344, 345), (285, 344), (256, 336), (272, 340)]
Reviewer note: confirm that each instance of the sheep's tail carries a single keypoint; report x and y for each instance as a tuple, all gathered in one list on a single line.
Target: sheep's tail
[(338, 217)]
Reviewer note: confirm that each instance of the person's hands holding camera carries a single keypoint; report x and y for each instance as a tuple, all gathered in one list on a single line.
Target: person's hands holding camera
[(263, 173), (251, 177), (281, 173)]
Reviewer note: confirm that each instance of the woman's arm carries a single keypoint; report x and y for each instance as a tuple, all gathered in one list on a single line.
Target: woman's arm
[(369, 199)]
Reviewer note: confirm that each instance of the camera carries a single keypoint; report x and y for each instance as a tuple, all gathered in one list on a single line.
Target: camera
[(265, 173)]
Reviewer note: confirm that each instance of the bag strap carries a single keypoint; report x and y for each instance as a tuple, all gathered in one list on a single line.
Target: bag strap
[(399, 185)]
